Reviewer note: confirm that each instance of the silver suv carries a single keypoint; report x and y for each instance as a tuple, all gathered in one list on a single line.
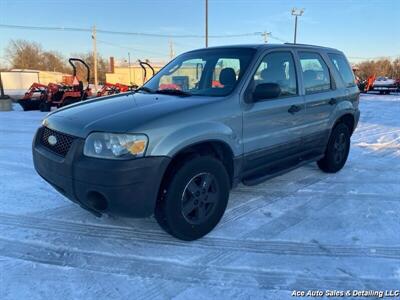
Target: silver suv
[(210, 119)]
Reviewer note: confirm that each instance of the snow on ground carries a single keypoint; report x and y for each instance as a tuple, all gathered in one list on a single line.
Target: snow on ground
[(303, 230)]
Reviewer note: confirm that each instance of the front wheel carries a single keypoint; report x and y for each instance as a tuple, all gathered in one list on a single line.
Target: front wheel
[(195, 198), (45, 106), (337, 150)]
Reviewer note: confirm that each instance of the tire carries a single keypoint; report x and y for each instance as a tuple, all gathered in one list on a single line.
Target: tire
[(44, 106), (337, 150), (68, 101), (187, 211)]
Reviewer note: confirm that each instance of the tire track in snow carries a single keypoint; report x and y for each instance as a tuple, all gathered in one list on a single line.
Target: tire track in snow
[(185, 273), (208, 243), (258, 203)]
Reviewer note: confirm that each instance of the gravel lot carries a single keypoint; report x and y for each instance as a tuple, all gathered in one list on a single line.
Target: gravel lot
[(303, 230)]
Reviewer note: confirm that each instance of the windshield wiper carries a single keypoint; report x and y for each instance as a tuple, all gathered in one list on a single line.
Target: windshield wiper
[(144, 89), (173, 92)]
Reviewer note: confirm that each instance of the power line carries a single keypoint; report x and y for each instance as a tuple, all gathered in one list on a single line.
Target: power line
[(130, 48), (77, 29)]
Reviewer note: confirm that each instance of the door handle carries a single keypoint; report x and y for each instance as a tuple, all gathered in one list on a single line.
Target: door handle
[(294, 109), (332, 101)]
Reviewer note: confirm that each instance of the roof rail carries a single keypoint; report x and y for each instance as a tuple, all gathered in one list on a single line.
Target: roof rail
[(302, 44)]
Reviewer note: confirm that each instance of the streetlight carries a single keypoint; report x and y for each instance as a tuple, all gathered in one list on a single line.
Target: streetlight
[(206, 23), (296, 13)]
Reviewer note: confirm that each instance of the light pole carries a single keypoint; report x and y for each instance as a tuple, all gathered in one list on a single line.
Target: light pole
[(265, 35), (129, 66), (206, 23), (296, 13)]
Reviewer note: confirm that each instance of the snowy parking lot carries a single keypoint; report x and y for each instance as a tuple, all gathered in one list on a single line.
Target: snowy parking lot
[(303, 230)]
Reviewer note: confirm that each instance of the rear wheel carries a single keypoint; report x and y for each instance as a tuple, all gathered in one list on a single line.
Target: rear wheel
[(337, 150), (68, 101), (195, 198), (44, 106)]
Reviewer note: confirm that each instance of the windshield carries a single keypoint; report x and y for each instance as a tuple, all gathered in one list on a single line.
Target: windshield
[(208, 72)]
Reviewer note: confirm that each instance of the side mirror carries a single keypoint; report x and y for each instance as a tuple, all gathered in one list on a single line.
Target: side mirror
[(266, 91)]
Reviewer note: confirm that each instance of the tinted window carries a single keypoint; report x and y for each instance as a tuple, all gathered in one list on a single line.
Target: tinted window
[(315, 73), (344, 69), (278, 67), (208, 72)]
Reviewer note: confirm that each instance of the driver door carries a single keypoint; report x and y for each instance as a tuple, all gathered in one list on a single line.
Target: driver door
[(272, 128)]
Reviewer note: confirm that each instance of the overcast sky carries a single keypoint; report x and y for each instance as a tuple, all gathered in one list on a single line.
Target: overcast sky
[(362, 29)]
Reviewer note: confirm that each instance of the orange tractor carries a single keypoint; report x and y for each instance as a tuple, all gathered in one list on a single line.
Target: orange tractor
[(115, 88), (66, 94), (367, 85), (36, 94), (43, 97)]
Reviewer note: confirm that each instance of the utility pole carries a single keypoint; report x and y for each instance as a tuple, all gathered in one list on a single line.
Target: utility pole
[(206, 23), (94, 57), (296, 13), (129, 65), (266, 35), (171, 50)]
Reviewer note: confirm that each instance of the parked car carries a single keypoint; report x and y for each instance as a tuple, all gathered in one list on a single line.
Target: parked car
[(385, 85), (241, 114)]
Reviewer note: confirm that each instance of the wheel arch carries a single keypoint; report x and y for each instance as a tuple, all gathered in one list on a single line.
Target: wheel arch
[(348, 119)]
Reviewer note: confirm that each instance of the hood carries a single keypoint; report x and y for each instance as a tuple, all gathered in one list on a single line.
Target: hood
[(118, 113)]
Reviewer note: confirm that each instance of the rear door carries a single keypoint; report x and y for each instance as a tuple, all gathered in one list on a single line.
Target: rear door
[(272, 127), (321, 97)]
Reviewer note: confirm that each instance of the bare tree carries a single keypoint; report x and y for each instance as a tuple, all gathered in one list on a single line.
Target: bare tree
[(102, 67), (382, 67), (53, 61), (22, 54)]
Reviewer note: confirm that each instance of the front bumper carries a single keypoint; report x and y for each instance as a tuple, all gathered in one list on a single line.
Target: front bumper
[(126, 188)]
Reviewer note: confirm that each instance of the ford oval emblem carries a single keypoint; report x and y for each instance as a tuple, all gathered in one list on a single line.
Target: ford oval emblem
[(52, 140)]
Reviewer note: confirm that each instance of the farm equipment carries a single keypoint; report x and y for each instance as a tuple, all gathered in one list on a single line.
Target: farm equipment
[(115, 88), (367, 85), (36, 94), (145, 64), (65, 94), (43, 97)]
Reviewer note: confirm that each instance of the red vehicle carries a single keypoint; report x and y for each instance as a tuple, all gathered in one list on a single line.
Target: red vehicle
[(36, 94), (65, 94), (43, 97), (115, 88)]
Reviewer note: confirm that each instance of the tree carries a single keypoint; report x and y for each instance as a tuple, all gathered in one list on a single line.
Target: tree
[(381, 67), (53, 61), (102, 67), (22, 54)]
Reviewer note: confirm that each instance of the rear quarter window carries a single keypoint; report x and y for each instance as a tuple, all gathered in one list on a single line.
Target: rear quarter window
[(342, 66)]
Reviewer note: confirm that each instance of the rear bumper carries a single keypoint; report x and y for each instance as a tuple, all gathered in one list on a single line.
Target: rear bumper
[(385, 88), (356, 119), (126, 188)]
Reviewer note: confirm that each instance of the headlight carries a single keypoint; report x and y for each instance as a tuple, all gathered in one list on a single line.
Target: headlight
[(115, 146)]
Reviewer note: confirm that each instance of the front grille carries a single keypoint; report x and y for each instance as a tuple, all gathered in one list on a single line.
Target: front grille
[(63, 141)]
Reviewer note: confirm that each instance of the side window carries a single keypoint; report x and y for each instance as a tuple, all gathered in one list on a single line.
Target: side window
[(226, 72), (278, 67), (316, 76), (343, 68)]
